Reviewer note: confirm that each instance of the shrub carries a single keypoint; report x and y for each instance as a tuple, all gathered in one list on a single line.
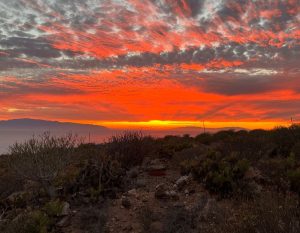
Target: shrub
[(269, 214), (34, 222), (54, 208), (146, 216), (42, 159), (169, 145), (204, 138), (100, 175), (222, 175), (178, 220), (91, 220), (296, 150), (294, 178), (129, 148)]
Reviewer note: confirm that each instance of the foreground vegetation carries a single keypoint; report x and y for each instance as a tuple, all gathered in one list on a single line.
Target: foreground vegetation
[(59, 184)]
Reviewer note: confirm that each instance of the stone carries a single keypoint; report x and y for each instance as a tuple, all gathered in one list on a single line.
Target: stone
[(173, 195), (161, 192), (156, 165), (125, 202), (182, 181), (156, 227), (133, 172), (66, 209), (64, 222), (132, 193), (253, 174), (140, 183)]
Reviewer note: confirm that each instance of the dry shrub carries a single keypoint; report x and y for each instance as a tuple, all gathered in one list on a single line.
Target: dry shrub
[(42, 159), (129, 148)]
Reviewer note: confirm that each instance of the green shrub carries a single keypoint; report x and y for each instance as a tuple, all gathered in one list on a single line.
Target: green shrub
[(34, 222), (296, 151), (294, 178), (100, 175), (204, 138), (222, 175), (186, 166), (169, 145), (54, 208)]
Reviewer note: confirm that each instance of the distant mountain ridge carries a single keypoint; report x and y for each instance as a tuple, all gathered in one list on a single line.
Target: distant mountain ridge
[(19, 130), (27, 123)]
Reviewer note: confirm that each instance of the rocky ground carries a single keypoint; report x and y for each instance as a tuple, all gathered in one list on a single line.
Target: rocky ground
[(155, 190)]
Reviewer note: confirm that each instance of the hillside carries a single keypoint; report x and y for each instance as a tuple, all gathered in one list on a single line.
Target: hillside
[(226, 182)]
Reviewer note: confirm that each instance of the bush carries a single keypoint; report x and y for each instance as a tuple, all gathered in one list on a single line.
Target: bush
[(54, 208), (222, 175), (34, 222), (178, 220), (168, 146), (129, 148), (91, 220), (269, 214), (100, 175), (42, 159), (294, 178), (204, 138)]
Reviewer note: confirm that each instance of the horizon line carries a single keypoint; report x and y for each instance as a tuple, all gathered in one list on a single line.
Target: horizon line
[(171, 124)]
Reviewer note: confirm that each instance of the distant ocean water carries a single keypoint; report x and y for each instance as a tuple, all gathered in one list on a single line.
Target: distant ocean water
[(8, 138)]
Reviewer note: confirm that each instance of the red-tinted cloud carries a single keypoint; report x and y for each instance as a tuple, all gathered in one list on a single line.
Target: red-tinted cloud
[(130, 60)]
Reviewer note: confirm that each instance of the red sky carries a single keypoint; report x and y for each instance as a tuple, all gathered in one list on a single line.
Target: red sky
[(163, 63)]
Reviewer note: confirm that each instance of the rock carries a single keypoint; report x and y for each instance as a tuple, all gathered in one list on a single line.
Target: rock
[(179, 205), (17, 196), (156, 227), (156, 164), (126, 202), (64, 222), (140, 183), (253, 174), (132, 193), (161, 192), (156, 168), (186, 192), (133, 172), (66, 209), (181, 182), (255, 188), (172, 195), (128, 228)]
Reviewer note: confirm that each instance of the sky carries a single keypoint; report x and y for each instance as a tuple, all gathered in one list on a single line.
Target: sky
[(152, 63)]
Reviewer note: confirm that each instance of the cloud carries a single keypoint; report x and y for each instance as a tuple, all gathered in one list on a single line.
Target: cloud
[(157, 59)]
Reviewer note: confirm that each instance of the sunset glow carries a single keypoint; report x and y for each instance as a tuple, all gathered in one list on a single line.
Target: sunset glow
[(151, 64)]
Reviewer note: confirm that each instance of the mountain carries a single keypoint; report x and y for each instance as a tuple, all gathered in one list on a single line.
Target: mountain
[(30, 124), (18, 130)]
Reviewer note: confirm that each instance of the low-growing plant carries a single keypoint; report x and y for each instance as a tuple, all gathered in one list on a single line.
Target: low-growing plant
[(129, 148), (294, 178), (269, 214), (33, 222), (54, 208), (222, 175), (42, 159), (100, 175)]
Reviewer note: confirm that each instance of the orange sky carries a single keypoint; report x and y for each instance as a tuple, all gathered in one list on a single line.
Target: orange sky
[(156, 64)]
